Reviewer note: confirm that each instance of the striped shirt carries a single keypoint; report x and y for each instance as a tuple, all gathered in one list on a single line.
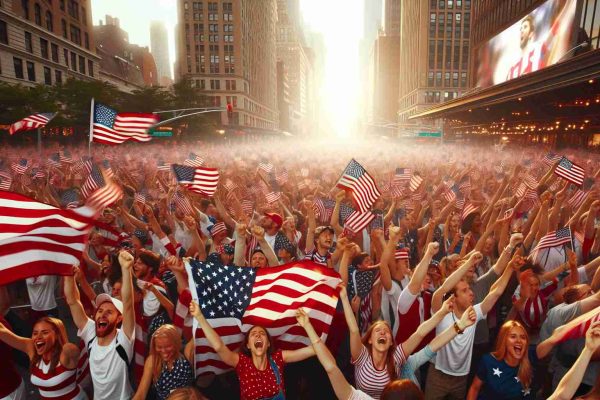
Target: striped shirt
[(535, 310), (368, 378), (315, 257), (58, 385)]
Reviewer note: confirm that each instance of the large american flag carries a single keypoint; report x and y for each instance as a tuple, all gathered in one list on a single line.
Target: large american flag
[(362, 186), (570, 171), (197, 179), (234, 299), (358, 221), (110, 127), (31, 122), (39, 239), (553, 239), (324, 209), (194, 160)]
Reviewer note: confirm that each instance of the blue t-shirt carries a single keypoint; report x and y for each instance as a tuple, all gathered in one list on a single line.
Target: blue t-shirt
[(500, 380)]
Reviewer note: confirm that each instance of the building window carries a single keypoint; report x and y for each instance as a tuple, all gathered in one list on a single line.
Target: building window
[(66, 54), (90, 68), (73, 9), (37, 14), (47, 76), (83, 16), (438, 79), (447, 79), (63, 25), (463, 79), (440, 54), (3, 32), (75, 34), (28, 42), (215, 84), (49, 22), (25, 7), (432, 19), (431, 53), (82, 64), (455, 79), (57, 77), (73, 61), (430, 78), (450, 3), (54, 51), (86, 38), (31, 71), (442, 5), (18, 63), (436, 97), (44, 48)]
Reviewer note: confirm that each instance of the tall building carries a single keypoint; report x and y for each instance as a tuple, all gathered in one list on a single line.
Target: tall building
[(391, 17), (296, 58), (372, 11), (227, 50), (159, 47), (46, 42), (126, 65), (434, 53)]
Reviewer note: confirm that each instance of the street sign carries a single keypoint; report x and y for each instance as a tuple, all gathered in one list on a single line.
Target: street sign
[(161, 132), (430, 134)]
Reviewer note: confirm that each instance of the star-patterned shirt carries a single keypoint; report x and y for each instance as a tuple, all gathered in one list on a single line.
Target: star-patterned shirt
[(179, 376), (256, 384), (501, 381)]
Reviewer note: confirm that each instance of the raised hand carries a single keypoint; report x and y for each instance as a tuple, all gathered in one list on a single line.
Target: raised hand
[(571, 258), (476, 257), (241, 230), (433, 248), (258, 232), (302, 318), (125, 259), (468, 318), (448, 305), (195, 309), (175, 264), (592, 337), (516, 239)]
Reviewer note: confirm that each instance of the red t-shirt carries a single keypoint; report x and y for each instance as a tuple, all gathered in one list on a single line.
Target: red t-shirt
[(256, 384), (409, 322), (10, 377)]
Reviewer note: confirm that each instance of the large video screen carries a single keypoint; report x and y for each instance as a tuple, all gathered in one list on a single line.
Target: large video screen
[(539, 39)]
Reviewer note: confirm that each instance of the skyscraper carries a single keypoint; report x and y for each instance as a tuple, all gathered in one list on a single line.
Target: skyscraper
[(159, 47), (227, 50)]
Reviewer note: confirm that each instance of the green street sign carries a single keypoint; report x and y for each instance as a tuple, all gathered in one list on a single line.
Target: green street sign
[(165, 133), (430, 134)]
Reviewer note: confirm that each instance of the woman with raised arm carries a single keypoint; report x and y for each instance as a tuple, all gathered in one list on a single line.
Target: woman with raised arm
[(377, 359), (258, 365), (53, 359)]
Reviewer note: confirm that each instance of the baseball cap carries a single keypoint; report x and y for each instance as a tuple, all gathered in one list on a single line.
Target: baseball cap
[(275, 218), (401, 254), (103, 298), (321, 229)]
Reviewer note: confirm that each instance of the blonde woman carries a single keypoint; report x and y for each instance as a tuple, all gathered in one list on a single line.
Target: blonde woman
[(166, 369), (53, 358)]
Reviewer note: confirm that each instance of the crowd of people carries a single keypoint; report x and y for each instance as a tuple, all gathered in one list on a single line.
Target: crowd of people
[(446, 294)]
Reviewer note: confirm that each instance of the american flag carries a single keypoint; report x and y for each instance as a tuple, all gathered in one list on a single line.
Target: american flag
[(5, 180), (273, 197), (521, 190), (460, 203), (362, 186), (105, 196), (197, 179), (401, 175), (230, 185), (162, 166), (530, 180), (69, 199), (65, 157), (282, 177), (578, 327), (499, 168), (54, 160), (468, 210), (345, 212), (94, 181), (20, 166), (139, 198), (247, 207), (182, 203), (234, 299), (415, 182), (324, 209), (38, 173), (570, 171), (217, 228), (464, 186), (451, 194), (553, 239), (107, 168), (396, 192), (577, 199), (360, 284), (32, 122), (194, 160), (39, 239), (110, 127), (550, 158), (358, 221), (265, 166)]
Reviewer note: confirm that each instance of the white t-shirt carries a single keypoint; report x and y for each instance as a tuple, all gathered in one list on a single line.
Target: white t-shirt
[(392, 299), (270, 239), (41, 292), (109, 372), (455, 357), (359, 395)]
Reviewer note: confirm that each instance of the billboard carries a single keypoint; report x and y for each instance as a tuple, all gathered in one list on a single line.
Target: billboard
[(541, 38)]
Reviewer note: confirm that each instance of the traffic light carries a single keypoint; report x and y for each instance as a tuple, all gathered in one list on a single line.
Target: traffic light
[(229, 112)]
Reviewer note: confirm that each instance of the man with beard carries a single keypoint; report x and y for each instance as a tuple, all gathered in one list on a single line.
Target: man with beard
[(110, 348)]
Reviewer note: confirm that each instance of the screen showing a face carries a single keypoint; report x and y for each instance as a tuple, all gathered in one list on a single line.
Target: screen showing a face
[(539, 39)]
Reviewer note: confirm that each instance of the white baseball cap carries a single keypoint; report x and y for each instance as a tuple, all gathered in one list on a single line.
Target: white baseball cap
[(103, 298)]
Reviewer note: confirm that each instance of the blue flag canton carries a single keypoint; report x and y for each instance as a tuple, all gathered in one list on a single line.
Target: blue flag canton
[(354, 169), (96, 175), (565, 163), (68, 197), (563, 233), (183, 173), (223, 291), (104, 115), (364, 282)]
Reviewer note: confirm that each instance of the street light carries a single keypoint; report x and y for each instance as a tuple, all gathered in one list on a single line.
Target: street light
[(221, 132)]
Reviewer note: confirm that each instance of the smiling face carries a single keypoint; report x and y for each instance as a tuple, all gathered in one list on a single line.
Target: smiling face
[(165, 348), (258, 260), (44, 337), (258, 341), (516, 343), (107, 318), (381, 337), (140, 270)]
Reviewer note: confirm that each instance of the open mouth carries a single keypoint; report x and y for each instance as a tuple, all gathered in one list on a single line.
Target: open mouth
[(258, 344), (102, 325), (39, 345), (518, 349), (381, 340)]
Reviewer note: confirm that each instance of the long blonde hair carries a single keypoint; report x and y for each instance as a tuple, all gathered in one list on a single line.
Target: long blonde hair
[(166, 331), (389, 358), (525, 373), (61, 338)]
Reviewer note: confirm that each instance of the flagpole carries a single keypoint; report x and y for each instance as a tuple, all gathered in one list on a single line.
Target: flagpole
[(91, 128)]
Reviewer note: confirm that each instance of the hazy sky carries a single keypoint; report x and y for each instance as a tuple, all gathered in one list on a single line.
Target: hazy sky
[(340, 22)]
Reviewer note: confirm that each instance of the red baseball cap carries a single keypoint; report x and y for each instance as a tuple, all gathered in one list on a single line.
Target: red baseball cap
[(275, 218)]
